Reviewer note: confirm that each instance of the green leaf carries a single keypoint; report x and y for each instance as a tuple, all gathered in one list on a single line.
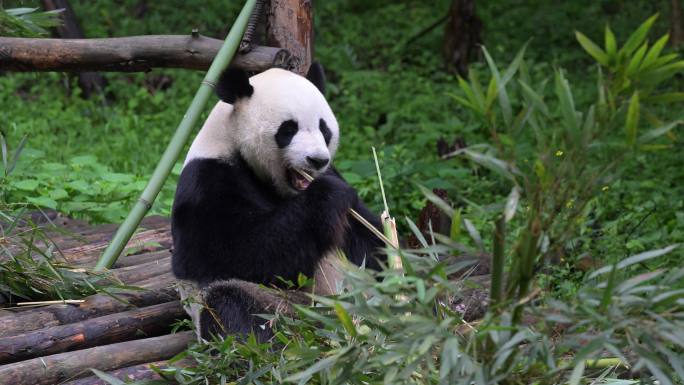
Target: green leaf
[(638, 37), (346, 320), (492, 163), (567, 103), (592, 49), (632, 121), (668, 97), (437, 201), (504, 101), (635, 62), (654, 52), (474, 234), (26, 184), (658, 132), (638, 258), (108, 378), (610, 43), (512, 203), (455, 230), (534, 97), (43, 202)]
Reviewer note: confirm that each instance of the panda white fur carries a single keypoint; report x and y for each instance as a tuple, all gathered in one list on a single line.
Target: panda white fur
[(241, 212)]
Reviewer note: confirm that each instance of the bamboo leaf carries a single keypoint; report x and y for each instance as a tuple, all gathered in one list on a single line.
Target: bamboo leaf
[(638, 37), (654, 52), (491, 163), (634, 259), (592, 49), (534, 97), (632, 121), (567, 103), (455, 231), (474, 234), (512, 203), (577, 372), (658, 132), (437, 201), (468, 91), (346, 320), (668, 97), (610, 43), (108, 378), (635, 62)]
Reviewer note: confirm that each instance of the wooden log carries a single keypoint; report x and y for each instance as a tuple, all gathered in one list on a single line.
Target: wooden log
[(128, 54), (290, 26), (94, 306), (58, 368), (147, 321), (150, 239), (136, 259), (136, 273), (133, 373), (157, 282)]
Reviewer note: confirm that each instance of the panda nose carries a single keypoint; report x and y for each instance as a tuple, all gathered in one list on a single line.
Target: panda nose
[(317, 163)]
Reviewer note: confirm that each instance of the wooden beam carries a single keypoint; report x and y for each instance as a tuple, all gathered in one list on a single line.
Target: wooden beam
[(61, 367), (128, 54), (147, 321), (290, 26), (94, 306)]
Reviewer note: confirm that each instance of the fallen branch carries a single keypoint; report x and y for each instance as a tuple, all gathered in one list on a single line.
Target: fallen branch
[(94, 306), (150, 321), (58, 368), (129, 54)]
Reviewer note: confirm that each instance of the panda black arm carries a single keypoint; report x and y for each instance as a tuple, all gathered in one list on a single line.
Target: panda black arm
[(234, 227)]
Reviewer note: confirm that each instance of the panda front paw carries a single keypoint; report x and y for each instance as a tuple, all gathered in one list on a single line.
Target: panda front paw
[(335, 192)]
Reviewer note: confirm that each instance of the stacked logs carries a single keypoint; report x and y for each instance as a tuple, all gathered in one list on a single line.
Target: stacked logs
[(123, 333)]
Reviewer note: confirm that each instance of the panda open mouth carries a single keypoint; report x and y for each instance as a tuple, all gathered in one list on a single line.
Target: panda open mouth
[(297, 180)]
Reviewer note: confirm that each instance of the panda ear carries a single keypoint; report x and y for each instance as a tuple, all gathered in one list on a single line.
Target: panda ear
[(316, 75), (233, 85)]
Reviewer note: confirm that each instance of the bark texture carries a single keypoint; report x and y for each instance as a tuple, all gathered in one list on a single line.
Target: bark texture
[(290, 26), (147, 321), (58, 368)]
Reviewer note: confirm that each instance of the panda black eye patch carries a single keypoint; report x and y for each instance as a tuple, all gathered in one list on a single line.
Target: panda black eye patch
[(286, 132), (327, 135)]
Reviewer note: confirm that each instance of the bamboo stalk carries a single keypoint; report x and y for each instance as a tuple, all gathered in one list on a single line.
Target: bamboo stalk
[(178, 141), (496, 290)]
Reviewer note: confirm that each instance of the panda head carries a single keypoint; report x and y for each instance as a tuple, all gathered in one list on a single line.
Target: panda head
[(281, 122)]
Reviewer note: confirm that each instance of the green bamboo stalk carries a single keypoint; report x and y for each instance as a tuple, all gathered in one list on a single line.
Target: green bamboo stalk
[(178, 141), (498, 260)]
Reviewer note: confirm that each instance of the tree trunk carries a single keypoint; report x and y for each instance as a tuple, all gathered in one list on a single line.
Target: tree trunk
[(89, 82), (290, 26), (150, 321), (676, 32), (461, 36), (72, 365), (128, 54)]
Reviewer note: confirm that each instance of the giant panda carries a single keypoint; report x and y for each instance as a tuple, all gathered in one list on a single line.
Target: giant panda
[(242, 213)]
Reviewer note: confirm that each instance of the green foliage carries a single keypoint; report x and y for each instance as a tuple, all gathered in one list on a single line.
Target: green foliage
[(27, 22), (31, 267), (391, 329)]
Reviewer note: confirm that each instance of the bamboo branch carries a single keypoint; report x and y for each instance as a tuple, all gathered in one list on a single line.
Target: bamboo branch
[(151, 321), (66, 366), (129, 54)]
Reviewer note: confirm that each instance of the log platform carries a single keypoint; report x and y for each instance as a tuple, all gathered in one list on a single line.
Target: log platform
[(123, 336)]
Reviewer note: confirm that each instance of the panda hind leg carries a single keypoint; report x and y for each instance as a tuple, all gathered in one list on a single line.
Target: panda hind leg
[(230, 309)]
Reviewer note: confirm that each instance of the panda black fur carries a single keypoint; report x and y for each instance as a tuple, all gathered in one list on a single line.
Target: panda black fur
[(242, 213)]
